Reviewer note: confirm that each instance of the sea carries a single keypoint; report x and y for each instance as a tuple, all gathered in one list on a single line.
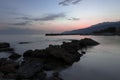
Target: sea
[(100, 62)]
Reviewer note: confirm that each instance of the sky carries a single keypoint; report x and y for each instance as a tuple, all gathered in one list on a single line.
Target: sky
[(57, 15)]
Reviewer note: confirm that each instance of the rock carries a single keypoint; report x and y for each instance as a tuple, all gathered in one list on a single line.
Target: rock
[(14, 56), (1, 75), (60, 53), (24, 42), (53, 57), (83, 52), (55, 76), (70, 47), (30, 69), (56, 51), (8, 66), (10, 76), (28, 53), (36, 53), (6, 50), (4, 45), (59, 56), (3, 61), (88, 42), (40, 76)]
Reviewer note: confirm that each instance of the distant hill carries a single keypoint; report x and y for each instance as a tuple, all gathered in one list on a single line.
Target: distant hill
[(13, 30), (104, 27)]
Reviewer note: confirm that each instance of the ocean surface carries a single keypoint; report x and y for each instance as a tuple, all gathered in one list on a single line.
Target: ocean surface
[(101, 62)]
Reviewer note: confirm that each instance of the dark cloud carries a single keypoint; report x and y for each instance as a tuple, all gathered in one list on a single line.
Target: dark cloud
[(75, 2), (28, 20), (68, 2), (45, 18), (74, 19), (21, 23)]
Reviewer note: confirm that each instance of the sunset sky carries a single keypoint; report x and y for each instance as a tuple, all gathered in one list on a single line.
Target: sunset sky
[(57, 15)]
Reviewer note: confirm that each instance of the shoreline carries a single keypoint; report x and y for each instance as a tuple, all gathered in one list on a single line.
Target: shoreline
[(83, 34)]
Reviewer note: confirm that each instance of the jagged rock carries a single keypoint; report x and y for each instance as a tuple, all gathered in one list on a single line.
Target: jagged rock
[(10, 76), (36, 61), (57, 56), (40, 76), (28, 70), (70, 46), (60, 53), (88, 42), (28, 53), (8, 66), (36, 53), (14, 56), (1, 75), (55, 76)]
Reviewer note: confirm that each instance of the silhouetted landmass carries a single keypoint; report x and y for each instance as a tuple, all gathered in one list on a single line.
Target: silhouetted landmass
[(58, 34), (105, 28), (109, 31)]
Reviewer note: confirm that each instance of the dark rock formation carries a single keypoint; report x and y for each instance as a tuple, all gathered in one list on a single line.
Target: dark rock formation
[(60, 56), (36, 62), (8, 68), (55, 76), (24, 42), (5, 47), (88, 42), (30, 69), (14, 56)]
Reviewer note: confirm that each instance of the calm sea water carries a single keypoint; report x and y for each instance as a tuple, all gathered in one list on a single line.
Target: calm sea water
[(100, 63)]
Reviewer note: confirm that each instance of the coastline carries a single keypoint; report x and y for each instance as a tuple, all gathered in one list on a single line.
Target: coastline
[(56, 34)]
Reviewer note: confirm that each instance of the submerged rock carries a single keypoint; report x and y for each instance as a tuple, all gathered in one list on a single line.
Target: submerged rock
[(24, 42)]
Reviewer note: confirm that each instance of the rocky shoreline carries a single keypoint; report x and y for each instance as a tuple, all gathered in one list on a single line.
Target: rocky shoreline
[(37, 62)]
